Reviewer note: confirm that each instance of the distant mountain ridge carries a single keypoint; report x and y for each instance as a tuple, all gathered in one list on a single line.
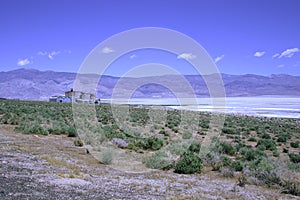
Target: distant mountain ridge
[(32, 84)]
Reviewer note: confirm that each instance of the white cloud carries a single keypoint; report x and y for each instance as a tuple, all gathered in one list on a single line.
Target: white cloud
[(107, 50), (133, 56), (42, 53), (23, 62), (52, 54), (289, 53), (259, 53), (217, 59), (276, 55), (187, 56)]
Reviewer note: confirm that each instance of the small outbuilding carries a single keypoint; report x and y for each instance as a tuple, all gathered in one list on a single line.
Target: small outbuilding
[(60, 99), (63, 99)]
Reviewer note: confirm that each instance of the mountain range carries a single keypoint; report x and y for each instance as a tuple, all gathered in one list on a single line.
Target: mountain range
[(32, 84)]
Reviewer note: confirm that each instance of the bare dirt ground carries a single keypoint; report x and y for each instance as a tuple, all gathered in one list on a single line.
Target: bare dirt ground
[(51, 167)]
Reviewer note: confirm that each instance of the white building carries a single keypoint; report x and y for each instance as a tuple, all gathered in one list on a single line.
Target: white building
[(75, 96), (60, 99)]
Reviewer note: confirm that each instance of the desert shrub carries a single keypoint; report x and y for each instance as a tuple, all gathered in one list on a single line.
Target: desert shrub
[(267, 171), (107, 128), (32, 128), (215, 145), (178, 148), (156, 127), (186, 134), (247, 131), (291, 187), (275, 153), (227, 148), (112, 132), (264, 164), (163, 132), (175, 129), (204, 124), (195, 147), (227, 172), (295, 158), (214, 160), (252, 139), (5, 118), (217, 166), (268, 177), (261, 147), (158, 160), (282, 138), (152, 143), (58, 128), (189, 163), (237, 166), (271, 173), (269, 144), (139, 115), (72, 132), (226, 160), (252, 154), (107, 156), (265, 136), (293, 166), (229, 131), (132, 145), (9, 118), (170, 125), (295, 144), (285, 150), (237, 139)]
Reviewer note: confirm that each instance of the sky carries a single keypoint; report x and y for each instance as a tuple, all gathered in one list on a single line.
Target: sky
[(241, 37)]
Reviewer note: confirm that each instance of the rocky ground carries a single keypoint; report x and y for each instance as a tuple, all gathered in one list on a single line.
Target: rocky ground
[(51, 167)]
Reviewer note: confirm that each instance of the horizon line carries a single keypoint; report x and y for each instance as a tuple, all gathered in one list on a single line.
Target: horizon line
[(111, 75)]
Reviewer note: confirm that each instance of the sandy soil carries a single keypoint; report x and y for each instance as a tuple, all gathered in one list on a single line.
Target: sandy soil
[(51, 167)]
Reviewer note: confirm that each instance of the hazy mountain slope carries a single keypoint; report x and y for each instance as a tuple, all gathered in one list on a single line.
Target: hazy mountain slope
[(40, 85)]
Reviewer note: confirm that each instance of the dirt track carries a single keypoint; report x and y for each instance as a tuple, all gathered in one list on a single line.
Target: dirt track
[(51, 167)]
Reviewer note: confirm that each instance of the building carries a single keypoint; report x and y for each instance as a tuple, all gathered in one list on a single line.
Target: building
[(53, 99), (64, 99), (80, 97), (75, 96), (60, 99)]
